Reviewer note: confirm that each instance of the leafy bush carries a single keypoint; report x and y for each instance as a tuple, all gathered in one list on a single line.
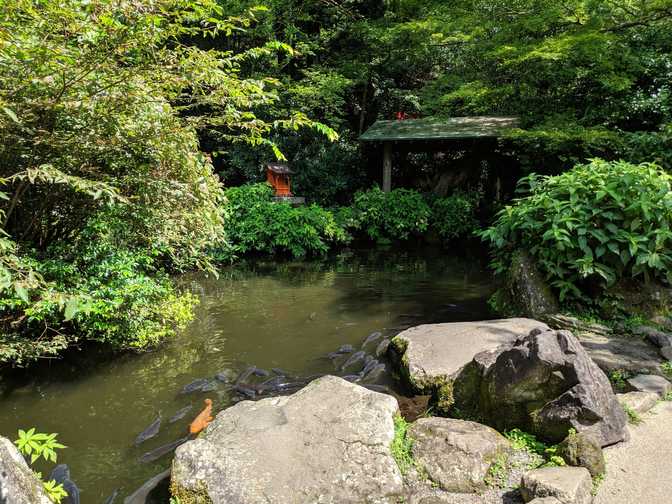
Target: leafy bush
[(255, 223), (389, 216), (38, 444), (590, 227), (454, 216), (95, 289)]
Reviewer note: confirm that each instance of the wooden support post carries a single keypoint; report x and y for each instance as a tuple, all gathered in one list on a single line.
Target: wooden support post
[(387, 167)]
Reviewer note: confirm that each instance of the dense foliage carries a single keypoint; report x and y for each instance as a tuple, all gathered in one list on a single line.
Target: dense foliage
[(101, 105), (120, 119), (591, 226), (455, 215), (588, 78), (256, 224), (396, 215)]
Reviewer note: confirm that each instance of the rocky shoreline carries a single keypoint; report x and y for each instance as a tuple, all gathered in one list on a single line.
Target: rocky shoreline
[(519, 411), (336, 442)]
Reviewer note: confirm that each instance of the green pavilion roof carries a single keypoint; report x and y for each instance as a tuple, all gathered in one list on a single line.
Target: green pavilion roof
[(433, 128)]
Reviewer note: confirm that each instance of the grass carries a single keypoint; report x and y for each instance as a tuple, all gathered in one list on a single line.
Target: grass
[(666, 368), (498, 473), (618, 379), (633, 416), (402, 445)]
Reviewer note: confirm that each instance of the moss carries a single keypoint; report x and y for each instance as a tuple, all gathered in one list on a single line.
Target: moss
[(190, 496), (633, 416), (444, 397)]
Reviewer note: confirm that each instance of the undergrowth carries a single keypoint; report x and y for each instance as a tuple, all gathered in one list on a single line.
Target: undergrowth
[(549, 454)]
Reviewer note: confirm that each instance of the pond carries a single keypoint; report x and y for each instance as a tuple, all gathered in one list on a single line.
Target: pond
[(286, 315)]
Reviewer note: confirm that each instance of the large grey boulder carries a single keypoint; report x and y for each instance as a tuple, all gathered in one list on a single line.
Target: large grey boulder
[(545, 383), (569, 485), (18, 483), (328, 443), (456, 454), (431, 356)]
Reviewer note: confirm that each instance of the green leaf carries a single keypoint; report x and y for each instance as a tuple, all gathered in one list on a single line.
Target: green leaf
[(10, 113)]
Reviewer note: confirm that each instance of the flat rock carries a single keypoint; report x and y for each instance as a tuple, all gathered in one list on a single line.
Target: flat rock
[(456, 454), (328, 443), (613, 352), (650, 383), (545, 500), (434, 353), (569, 485), (639, 402), (18, 483)]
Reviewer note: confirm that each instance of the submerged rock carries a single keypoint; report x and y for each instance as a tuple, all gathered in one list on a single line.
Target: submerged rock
[(545, 383), (456, 454), (18, 483), (329, 442)]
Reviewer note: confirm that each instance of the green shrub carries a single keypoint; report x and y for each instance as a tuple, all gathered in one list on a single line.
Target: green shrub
[(94, 289), (454, 216), (590, 227), (255, 223), (390, 216)]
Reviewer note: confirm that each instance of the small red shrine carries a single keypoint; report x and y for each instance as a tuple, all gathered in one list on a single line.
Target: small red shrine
[(278, 176)]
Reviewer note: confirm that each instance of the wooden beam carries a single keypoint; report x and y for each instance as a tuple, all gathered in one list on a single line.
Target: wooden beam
[(387, 167)]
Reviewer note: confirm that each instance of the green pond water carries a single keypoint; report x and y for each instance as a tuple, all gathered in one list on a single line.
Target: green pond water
[(268, 314)]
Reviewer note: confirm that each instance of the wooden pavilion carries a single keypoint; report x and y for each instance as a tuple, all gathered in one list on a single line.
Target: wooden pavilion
[(397, 133)]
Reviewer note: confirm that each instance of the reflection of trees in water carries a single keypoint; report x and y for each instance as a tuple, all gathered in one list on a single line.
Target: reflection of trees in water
[(416, 285)]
